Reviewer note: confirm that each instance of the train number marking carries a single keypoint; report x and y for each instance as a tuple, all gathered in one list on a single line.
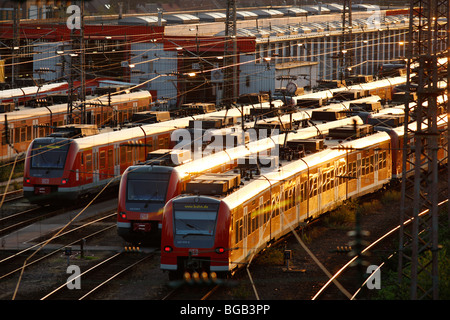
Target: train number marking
[(144, 216), (193, 252)]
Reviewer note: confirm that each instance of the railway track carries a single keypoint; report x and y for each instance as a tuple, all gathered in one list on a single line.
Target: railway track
[(371, 246), (12, 265), (192, 292), (16, 220), (97, 276), (12, 196)]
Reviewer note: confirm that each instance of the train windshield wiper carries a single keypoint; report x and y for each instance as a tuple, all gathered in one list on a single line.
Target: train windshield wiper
[(195, 234)]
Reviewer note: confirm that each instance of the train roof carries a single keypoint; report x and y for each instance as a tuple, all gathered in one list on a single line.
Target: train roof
[(328, 93), (25, 113), (142, 20), (334, 149), (239, 152), (156, 128), (21, 92), (263, 182)]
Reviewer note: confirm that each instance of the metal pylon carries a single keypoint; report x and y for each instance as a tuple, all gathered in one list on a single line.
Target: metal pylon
[(76, 108), (230, 59), (346, 46), (418, 245)]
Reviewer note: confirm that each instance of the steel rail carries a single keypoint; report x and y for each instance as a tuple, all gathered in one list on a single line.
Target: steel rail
[(83, 273), (389, 233), (115, 275)]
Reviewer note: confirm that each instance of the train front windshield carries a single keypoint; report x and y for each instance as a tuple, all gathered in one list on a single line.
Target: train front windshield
[(49, 155), (194, 228), (147, 187), (195, 223)]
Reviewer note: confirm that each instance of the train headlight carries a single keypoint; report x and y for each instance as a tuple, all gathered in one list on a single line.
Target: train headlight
[(220, 250), (168, 249)]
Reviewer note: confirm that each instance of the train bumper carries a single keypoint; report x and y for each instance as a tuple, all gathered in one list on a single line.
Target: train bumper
[(135, 232), (43, 194), (216, 263)]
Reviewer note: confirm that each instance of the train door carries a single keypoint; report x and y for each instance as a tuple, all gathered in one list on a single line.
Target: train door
[(358, 172), (81, 174), (304, 196), (102, 164), (320, 189), (280, 218), (375, 166), (88, 117), (297, 199), (117, 160), (312, 198), (246, 226), (95, 165), (35, 129), (110, 162), (238, 252)]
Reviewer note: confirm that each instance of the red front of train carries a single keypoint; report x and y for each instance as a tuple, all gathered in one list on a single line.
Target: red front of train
[(48, 171), (143, 192), (195, 236)]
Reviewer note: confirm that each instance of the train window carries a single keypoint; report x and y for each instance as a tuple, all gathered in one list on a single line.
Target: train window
[(102, 161), (128, 154), (89, 163), (195, 223), (275, 207), (325, 181), (286, 200), (16, 135), (249, 224), (266, 211), (28, 133), (302, 191), (240, 230), (150, 187), (49, 155), (352, 170), (254, 218), (332, 178), (313, 186), (141, 151), (110, 158), (291, 197), (123, 154), (382, 160), (363, 166), (245, 221)]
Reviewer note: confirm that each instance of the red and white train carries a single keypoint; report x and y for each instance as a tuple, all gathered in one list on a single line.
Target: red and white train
[(222, 233), (145, 189), (61, 169), (19, 128)]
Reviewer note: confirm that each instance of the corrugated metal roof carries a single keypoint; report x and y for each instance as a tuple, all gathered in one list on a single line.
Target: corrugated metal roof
[(212, 16), (141, 20), (181, 18)]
